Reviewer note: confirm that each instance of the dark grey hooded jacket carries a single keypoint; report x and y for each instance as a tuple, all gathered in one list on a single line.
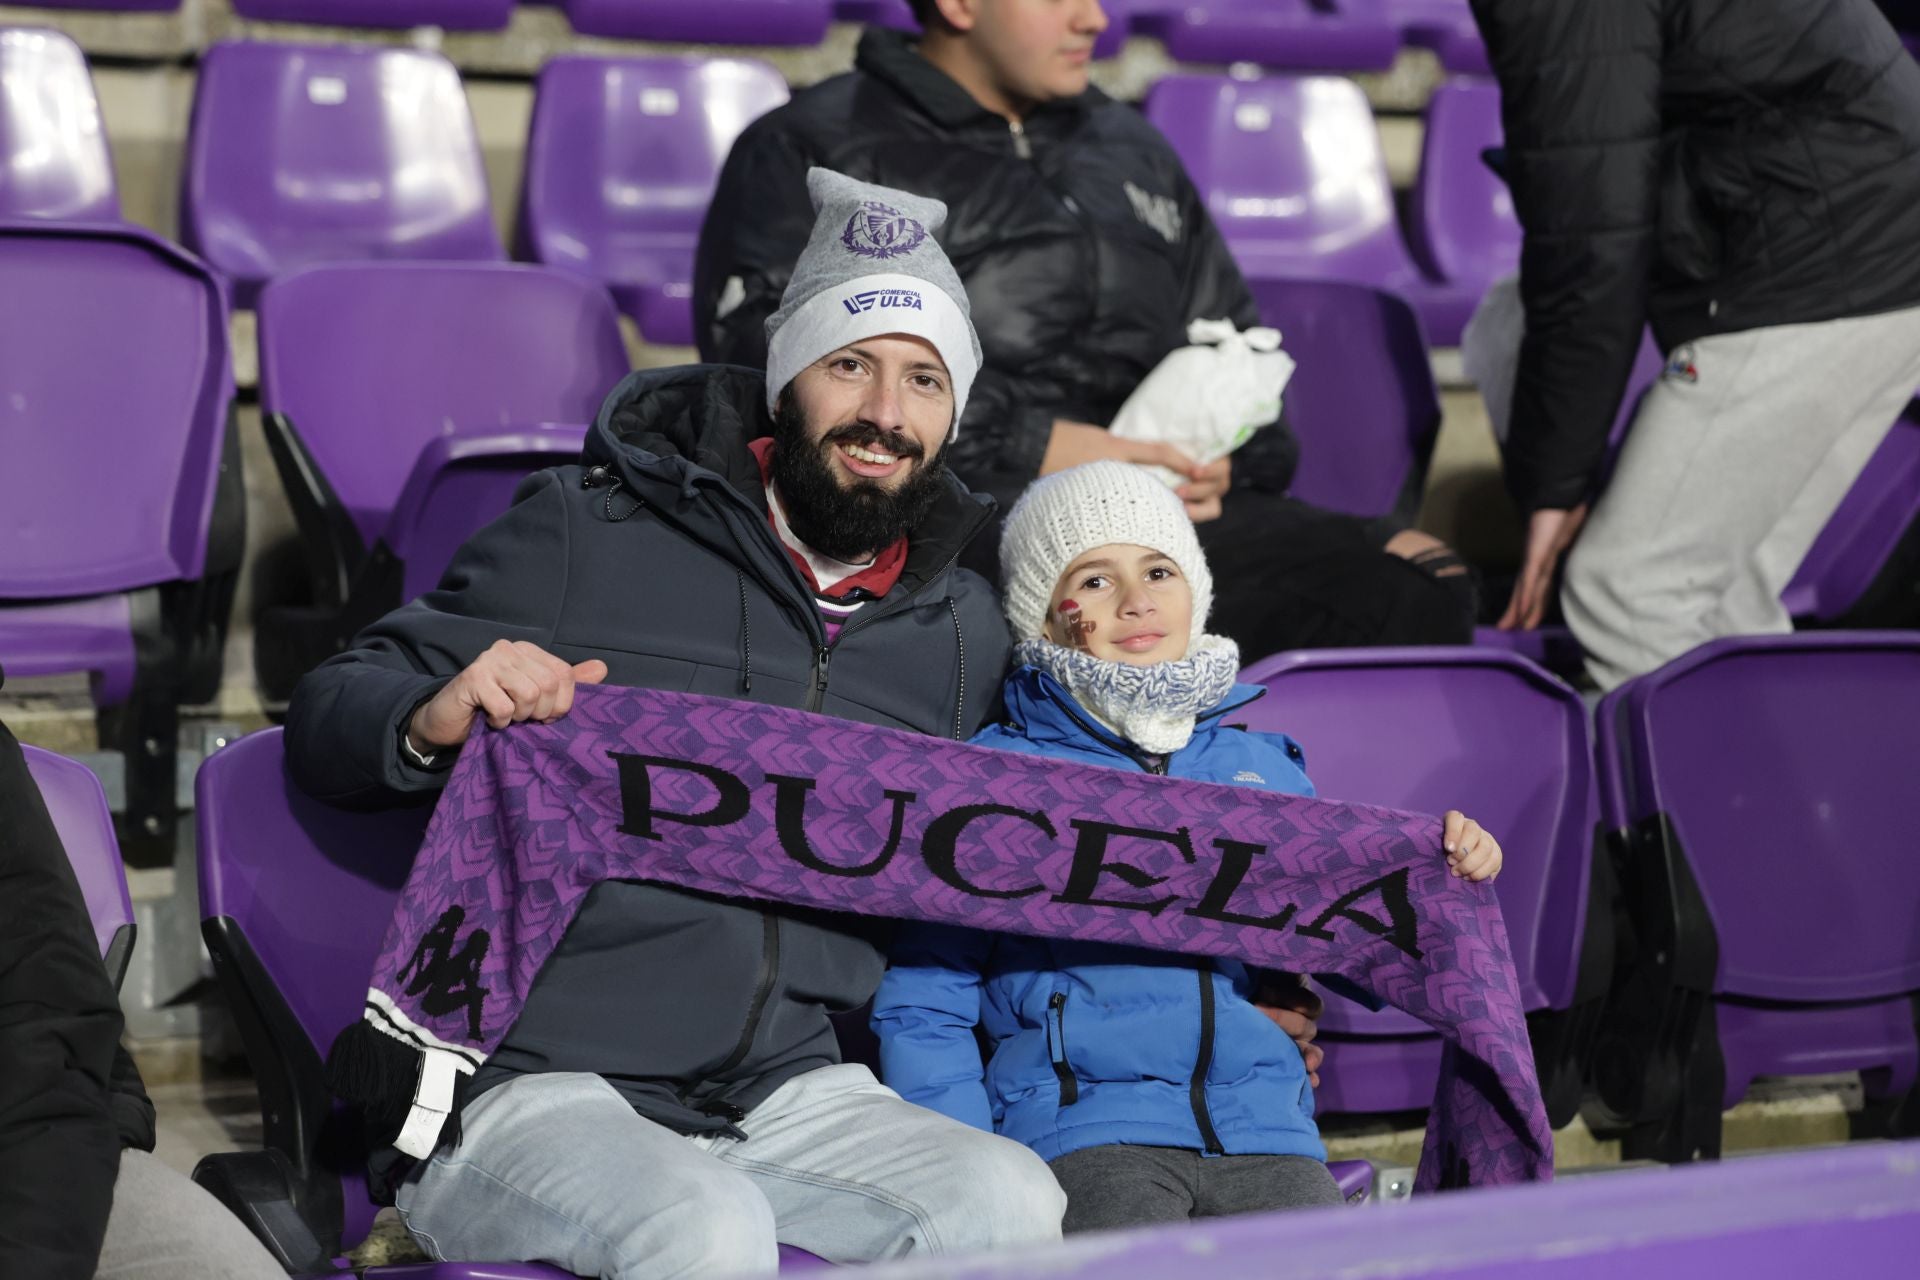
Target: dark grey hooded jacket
[(655, 555)]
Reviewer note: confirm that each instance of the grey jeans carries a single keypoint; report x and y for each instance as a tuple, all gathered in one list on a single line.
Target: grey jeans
[(163, 1227), (559, 1168), (1738, 457), (1123, 1186)]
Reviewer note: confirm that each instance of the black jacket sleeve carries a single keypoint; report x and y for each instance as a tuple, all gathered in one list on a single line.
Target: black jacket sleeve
[(59, 1036), (1580, 91), (755, 228), (1213, 288), (346, 716)]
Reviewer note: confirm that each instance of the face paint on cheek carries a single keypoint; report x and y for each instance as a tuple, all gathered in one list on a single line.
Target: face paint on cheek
[(1077, 630)]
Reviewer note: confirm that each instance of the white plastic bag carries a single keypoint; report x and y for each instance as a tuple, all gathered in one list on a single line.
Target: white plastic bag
[(1209, 398)]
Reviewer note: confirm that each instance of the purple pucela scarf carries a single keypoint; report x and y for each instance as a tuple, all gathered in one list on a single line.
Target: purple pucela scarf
[(767, 803)]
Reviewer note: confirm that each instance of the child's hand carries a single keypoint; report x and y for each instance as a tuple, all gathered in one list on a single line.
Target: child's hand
[(1471, 851)]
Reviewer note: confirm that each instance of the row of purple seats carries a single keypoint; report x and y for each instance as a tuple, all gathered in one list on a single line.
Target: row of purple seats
[(1757, 794), (78, 806), (372, 153), (125, 511), (1849, 1210), (1294, 35), (1293, 173)]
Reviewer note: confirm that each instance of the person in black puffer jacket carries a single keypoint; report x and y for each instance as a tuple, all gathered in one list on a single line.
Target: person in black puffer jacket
[(1086, 250), (1745, 175)]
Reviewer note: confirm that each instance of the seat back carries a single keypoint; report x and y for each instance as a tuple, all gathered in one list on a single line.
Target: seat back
[(449, 15), (370, 362), (1482, 731), (54, 161), (1292, 35), (300, 154), (623, 155), (1859, 536), (78, 806), (729, 22), (1362, 398), (1782, 764), (114, 393), (1464, 226), (1292, 172), (460, 484), (295, 897)]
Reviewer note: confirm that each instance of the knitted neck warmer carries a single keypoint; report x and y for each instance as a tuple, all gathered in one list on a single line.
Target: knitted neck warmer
[(1152, 707)]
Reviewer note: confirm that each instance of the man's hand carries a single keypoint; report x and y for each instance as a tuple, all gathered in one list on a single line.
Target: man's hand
[(511, 682), (1074, 443), (1549, 533), (1296, 1010), (1205, 492)]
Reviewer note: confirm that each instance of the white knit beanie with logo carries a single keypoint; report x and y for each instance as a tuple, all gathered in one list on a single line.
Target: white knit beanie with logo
[(1067, 514), (871, 267)]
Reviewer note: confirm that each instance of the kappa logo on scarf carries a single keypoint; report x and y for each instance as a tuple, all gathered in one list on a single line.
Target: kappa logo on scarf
[(1161, 213), (881, 231)]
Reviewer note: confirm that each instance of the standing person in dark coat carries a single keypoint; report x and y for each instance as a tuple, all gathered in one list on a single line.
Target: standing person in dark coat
[(1086, 250), (671, 1099), (1745, 175), (81, 1194)]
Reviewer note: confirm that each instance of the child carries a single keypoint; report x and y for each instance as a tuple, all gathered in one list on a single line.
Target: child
[(1153, 1083)]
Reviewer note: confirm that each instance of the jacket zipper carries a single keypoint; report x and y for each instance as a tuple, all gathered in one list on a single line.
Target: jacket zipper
[(769, 966), (1057, 1048), (1021, 147), (823, 656), (1197, 1092)]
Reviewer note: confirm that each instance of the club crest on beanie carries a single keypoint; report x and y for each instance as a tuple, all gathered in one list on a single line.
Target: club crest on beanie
[(871, 267)]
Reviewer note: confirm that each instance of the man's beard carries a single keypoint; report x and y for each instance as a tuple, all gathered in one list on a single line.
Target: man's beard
[(849, 520)]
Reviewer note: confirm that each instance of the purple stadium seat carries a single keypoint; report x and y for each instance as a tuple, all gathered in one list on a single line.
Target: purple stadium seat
[(114, 384), (1761, 789), (1362, 397), (622, 159), (1494, 736), (878, 13), (1463, 225), (295, 897), (78, 806), (1447, 28), (113, 6), (301, 154), (1849, 553), (753, 22), (452, 15), (362, 367), (1292, 172), (1848, 1211), (1291, 35), (54, 161), (458, 485)]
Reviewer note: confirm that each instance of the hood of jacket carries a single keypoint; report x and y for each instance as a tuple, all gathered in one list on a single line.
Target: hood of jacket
[(673, 436)]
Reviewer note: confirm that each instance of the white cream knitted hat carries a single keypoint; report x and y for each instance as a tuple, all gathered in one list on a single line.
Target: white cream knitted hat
[(871, 267), (1067, 514)]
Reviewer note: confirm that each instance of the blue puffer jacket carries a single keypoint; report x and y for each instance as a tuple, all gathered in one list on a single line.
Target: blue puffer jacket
[(1094, 1044)]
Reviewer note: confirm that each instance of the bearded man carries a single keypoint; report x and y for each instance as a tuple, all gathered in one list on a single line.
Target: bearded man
[(672, 1100)]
